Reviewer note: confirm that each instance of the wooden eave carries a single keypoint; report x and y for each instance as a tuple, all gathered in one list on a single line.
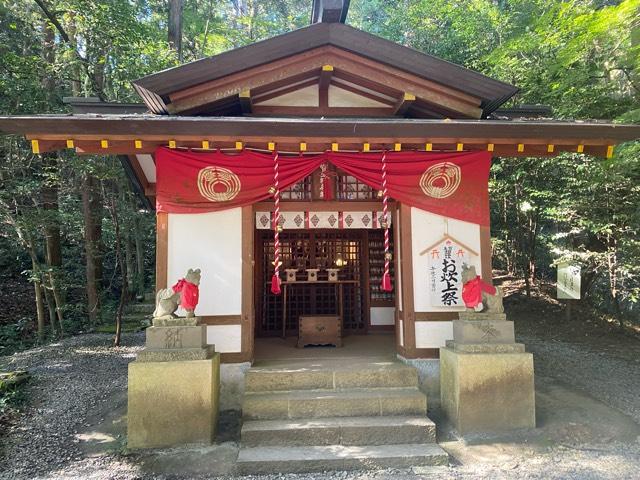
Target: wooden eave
[(117, 134), (162, 89)]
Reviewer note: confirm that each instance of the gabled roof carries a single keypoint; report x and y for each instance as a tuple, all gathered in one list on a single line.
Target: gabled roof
[(157, 89)]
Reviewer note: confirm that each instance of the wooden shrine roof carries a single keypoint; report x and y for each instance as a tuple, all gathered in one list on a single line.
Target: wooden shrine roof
[(132, 134), (296, 53)]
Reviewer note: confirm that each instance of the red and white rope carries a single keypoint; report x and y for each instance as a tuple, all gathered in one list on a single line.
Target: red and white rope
[(275, 280), (386, 277)]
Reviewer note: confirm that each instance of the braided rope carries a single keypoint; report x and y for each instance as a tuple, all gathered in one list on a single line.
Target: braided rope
[(275, 280), (386, 277)]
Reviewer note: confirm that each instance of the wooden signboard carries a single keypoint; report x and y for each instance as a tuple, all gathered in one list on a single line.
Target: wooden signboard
[(568, 281), (445, 259)]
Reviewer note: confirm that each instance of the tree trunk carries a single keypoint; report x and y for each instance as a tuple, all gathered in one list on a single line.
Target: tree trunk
[(174, 26), (123, 272), (139, 258), (612, 268), (92, 235), (129, 259), (58, 300), (37, 285)]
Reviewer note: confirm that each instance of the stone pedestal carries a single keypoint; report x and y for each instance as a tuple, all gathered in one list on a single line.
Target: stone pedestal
[(486, 379), (174, 387)]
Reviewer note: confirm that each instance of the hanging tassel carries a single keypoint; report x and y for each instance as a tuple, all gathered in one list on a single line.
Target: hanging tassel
[(275, 284), (386, 277), (275, 279), (386, 282)]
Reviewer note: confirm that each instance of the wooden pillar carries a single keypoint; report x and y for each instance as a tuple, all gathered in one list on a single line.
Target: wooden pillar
[(485, 253), (162, 249), (248, 262), (406, 267)]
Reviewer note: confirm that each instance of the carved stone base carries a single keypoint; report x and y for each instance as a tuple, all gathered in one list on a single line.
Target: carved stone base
[(483, 331), (171, 321), (175, 354), (177, 337), (474, 316), (486, 347), (487, 392), (172, 403)]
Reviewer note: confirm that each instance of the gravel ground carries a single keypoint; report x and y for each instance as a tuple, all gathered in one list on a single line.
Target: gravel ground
[(80, 381), (71, 380)]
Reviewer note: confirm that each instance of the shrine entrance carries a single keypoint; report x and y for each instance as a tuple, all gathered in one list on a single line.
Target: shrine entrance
[(358, 257)]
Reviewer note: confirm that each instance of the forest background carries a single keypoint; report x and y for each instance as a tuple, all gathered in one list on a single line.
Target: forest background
[(76, 244)]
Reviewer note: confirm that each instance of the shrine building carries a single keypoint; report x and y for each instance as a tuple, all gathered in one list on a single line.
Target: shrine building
[(326, 176)]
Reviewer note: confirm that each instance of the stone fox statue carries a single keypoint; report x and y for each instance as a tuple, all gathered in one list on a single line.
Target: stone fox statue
[(478, 295), (184, 293)]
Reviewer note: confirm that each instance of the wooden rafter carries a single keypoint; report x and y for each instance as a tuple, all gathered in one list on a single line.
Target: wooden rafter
[(323, 85), (403, 104), (284, 90), (363, 92), (245, 101)]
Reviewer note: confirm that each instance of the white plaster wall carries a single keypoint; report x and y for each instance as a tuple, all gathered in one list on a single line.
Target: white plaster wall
[(226, 338), (212, 242), (305, 97), (426, 229), (382, 315), (433, 334), (401, 330)]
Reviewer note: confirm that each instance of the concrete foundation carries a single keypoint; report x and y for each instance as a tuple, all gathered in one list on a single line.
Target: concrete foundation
[(428, 375), (173, 403), (232, 385), (487, 392)]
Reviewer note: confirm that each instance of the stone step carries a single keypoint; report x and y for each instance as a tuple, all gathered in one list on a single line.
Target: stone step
[(344, 403), (330, 376), (266, 460), (339, 431)]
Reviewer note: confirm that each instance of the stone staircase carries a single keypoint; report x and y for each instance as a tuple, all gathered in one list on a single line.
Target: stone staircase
[(347, 414)]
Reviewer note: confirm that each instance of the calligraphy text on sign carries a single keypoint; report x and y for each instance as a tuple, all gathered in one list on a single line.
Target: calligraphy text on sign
[(445, 270), (569, 281)]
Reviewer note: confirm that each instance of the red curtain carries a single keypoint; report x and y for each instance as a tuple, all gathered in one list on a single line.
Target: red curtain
[(197, 182), (450, 184)]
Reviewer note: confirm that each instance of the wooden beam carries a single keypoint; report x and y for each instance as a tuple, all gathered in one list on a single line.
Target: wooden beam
[(403, 104), (323, 85), (283, 91), (162, 249), (245, 101), (247, 294), (363, 93), (322, 111)]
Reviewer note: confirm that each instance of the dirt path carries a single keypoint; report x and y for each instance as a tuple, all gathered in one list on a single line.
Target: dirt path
[(587, 394)]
